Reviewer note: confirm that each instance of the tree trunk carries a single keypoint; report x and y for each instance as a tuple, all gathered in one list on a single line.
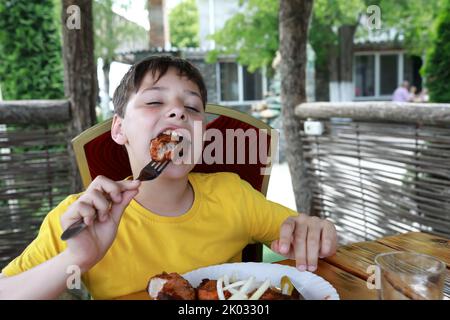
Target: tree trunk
[(346, 35), (106, 112), (293, 25), (340, 65), (80, 78), (159, 32), (322, 78), (333, 69)]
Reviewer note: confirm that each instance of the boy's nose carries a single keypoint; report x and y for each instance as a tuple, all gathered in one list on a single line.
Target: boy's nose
[(177, 113)]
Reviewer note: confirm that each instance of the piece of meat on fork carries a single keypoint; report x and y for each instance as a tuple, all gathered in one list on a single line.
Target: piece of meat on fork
[(163, 146)]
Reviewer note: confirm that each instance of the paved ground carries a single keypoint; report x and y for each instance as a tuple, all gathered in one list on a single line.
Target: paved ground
[(280, 191), (280, 186)]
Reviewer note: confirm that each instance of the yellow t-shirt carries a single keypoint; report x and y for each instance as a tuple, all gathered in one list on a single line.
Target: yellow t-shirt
[(227, 214)]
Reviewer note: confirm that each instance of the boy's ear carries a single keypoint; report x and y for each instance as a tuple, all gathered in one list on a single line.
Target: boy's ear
[(116, 130)]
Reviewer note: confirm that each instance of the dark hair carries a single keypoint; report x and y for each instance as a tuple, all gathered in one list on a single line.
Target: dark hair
[(158, 66)]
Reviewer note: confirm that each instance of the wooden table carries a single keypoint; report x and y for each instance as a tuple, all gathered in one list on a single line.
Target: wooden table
[(347, 269)]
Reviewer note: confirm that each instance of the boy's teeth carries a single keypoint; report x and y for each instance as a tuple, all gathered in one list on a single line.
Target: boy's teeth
[(175, 136)]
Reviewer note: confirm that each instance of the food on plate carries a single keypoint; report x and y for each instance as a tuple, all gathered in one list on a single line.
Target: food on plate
[(173, 286), (207, 290), (287, 287), (249, 289), (170, 286), (274, 294), (163, 146)]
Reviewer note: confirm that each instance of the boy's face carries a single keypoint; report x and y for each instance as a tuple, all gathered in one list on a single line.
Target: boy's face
[(174, 103)]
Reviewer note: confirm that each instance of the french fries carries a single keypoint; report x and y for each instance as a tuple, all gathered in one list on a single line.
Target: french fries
[(247, 289)]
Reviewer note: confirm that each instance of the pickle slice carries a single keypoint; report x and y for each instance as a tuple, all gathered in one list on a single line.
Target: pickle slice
[(288, 288), (286, 285)]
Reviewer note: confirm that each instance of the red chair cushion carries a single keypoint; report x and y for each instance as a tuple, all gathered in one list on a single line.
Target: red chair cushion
[(107, 158), (247, 171)]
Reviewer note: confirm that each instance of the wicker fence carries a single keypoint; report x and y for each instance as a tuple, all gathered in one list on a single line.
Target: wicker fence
[(379, 168), (34, 169)]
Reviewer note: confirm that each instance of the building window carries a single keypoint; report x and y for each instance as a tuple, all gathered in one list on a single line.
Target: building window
[(388, 73), (229, 81), (238, 85), (365, 76), (253, 86), (378, 74)]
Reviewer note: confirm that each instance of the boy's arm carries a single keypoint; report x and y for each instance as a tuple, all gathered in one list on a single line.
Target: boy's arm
[(45, 277), (45, 281)]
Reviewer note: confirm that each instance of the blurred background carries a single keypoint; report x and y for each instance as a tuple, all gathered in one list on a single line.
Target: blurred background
[(234, 43)]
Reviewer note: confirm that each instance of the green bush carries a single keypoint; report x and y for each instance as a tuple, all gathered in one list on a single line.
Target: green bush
[(437, 68), (183, 21), (30, 50)]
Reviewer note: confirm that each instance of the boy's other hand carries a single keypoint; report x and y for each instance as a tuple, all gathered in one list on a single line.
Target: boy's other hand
[(306, 239), (101, 207)]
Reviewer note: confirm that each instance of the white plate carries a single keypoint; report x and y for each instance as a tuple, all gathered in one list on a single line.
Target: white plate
[(311, 286)]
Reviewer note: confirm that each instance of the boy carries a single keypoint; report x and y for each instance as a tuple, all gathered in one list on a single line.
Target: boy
[(176, 223)]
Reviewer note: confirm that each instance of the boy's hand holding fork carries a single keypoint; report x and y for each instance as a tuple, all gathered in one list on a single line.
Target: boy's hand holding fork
[(101, 207)]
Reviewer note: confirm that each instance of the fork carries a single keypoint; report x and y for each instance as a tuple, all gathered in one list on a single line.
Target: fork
[(149, 172), (152, 170)]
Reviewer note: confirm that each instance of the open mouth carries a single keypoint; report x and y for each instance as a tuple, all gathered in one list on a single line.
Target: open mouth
[(163, 147)]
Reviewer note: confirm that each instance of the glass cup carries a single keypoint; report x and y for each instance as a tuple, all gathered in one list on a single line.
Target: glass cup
[(410, 276)]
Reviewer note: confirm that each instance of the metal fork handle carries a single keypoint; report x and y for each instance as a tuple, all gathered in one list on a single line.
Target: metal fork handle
[(77, 227), (74, 229)]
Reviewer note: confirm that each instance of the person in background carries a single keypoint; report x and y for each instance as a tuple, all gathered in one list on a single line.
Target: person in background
[(423, 96), (401, 94), (413, 96)]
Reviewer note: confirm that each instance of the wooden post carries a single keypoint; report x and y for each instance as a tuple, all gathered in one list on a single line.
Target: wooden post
[(80, 77), (34, 111), (293, 23)]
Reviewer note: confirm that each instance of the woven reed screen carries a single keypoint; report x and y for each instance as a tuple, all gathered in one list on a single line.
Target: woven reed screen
[(376, 179), (34, 178)]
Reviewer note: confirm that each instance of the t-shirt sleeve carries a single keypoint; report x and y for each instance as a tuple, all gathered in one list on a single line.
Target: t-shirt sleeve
[(46, 245), (264, 216)]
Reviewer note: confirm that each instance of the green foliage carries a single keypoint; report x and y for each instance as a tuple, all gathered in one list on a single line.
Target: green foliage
[(105, 42), (437, 67), (183, 22), (111, 29), (335, 13), (412, 18), (251, 34), (30, 50)]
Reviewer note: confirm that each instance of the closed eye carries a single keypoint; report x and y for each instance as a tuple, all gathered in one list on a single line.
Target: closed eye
[(192, 108), (152, 103)]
